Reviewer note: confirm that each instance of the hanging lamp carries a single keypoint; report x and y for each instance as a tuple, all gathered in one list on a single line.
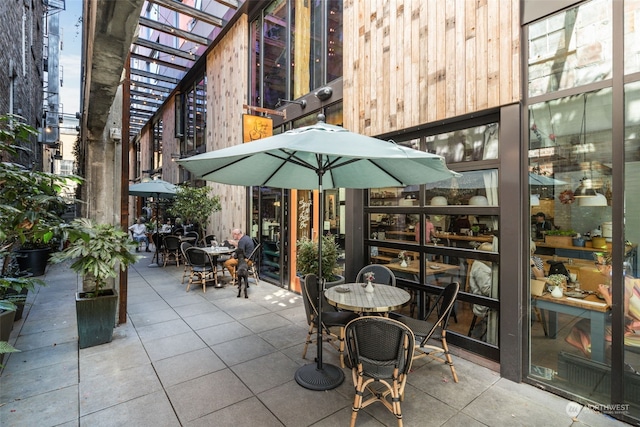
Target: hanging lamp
[(585, 189)]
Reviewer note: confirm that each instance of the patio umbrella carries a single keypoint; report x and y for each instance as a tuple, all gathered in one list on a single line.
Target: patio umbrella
[(158, 189), (536, 179), (316, 157)]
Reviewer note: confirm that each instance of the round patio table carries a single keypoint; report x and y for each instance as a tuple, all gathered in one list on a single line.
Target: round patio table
[(215, 252), (353, 297)]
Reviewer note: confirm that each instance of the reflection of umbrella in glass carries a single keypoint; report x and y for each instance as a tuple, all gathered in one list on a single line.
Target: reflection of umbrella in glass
[(318, 156), (535, 179), (158, 189)]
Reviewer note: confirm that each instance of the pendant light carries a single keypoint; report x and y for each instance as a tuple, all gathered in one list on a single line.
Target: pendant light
[(585, 189)]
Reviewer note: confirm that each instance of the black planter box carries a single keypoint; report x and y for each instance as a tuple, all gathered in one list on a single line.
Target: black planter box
[(33, 261), (96, 317)]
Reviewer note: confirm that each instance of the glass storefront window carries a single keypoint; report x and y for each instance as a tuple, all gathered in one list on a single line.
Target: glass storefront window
[(466, 145), (475, 188), (632, 237), (275, 53), (395, 196), (571, 48), (570, 178)]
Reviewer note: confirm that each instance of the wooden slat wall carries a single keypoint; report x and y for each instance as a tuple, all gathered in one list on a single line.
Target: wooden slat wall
[(227, 69), (410, 62)]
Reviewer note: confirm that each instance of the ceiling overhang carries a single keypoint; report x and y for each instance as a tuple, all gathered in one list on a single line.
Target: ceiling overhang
[(170, 38)]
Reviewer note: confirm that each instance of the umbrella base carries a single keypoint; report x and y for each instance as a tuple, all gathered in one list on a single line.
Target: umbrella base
[(312, 378)]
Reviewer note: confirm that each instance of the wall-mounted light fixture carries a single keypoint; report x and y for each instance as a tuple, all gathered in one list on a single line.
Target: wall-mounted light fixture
[(324, 93), (175, 156), (302, 103), (57, 156)]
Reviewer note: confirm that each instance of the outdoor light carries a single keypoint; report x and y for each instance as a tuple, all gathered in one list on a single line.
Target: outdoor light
[(57, 156)]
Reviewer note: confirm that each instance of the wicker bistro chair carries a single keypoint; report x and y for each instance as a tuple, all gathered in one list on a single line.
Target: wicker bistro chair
[(202, 267), (337, 319), (187, 267), (437, 331), (171, 249), (380, 351)]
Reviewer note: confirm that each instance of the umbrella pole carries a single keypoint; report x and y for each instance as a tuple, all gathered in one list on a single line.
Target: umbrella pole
[(317, 376)]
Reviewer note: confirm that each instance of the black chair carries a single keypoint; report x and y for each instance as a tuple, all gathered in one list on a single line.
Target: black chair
[(338, 319), (382, 274), (434, 330), (380, 351), (192, 234), (202, 268), (171, 249), (222, 258), (209, 238), (187, 267)]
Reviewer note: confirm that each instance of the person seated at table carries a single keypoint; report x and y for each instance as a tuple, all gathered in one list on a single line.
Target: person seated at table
[(139, 234), (480, 283), (166, 227), (542, 225), (240, 241), (537, 266), (580, 336)]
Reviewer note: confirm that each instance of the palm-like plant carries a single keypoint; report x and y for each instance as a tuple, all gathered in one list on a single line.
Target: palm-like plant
[(97, 250)]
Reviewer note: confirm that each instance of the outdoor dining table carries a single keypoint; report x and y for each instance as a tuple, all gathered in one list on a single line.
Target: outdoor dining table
[(353, 297), (215, 252)]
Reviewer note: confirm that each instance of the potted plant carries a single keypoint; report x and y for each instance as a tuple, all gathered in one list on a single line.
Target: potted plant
[(7, 313), (560, 237), (307, 259), (30, 202), (97, 252)]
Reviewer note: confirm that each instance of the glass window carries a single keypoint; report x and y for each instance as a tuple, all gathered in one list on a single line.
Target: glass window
[(275, 53), (571, 48), (466, 145), (569, 186), (631, 36), (476, 188), (334, 39), (632, 237), (306, 67)]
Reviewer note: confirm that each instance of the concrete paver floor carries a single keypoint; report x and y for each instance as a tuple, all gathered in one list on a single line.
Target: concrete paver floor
[(211, 359)]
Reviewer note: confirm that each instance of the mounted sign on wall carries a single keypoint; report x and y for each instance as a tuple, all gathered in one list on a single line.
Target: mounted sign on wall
[(256, 127)]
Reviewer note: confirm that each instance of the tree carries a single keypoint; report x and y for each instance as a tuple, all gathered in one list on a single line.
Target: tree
[(195, 204)]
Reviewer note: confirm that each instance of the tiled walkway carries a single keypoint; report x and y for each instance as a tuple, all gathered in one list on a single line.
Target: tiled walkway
[(211, 359)]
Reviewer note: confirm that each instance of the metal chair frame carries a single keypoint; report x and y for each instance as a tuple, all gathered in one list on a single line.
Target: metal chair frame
[(426, 330), (338, 319), (187, 266)]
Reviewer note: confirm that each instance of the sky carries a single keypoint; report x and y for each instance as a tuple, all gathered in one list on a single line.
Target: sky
[(70, 56)]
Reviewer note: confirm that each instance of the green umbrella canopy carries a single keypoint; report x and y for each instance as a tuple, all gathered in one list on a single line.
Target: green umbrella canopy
[(155, 188), (296, 159)]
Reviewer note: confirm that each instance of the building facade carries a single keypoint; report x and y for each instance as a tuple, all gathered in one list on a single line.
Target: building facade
[(23, 71)]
